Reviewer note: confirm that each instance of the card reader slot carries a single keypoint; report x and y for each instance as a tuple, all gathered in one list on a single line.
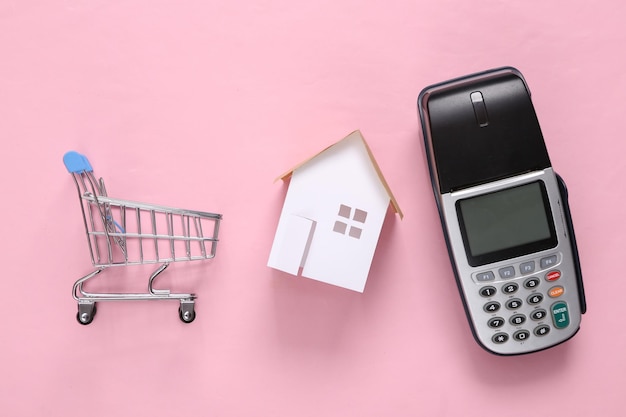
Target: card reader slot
[(570, 228)]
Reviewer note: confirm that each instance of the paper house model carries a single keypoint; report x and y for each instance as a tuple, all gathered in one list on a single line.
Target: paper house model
[(333, 214)]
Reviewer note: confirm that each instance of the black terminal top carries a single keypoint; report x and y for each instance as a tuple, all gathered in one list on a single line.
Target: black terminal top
[(483, 128)]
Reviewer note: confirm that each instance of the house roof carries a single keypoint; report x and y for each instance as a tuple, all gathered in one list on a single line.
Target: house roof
[(356, 133)]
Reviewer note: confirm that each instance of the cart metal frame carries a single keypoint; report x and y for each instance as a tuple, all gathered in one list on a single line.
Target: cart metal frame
[(117, 236)]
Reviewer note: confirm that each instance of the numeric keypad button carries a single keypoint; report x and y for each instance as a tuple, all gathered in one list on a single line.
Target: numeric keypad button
[(534, 298), (513, 304), (510, 288), (538, 315), (542, 330), (521, 335), (488, 291), (500, 338), (496, 322), (492, 307), (531, 283), (517, 320)]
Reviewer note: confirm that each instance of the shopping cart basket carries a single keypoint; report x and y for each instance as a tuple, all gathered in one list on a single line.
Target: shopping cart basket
[(122, 233)]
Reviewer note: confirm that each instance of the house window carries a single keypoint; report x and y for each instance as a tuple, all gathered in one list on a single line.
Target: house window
[(350, 221)]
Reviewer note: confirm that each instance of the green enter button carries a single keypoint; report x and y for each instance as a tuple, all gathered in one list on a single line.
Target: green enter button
[(560, 315)]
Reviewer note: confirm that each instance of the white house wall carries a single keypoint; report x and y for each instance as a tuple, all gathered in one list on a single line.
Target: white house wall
[(341, 175)]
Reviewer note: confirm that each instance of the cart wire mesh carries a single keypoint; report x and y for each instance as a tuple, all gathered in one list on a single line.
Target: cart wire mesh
[(123, 232)]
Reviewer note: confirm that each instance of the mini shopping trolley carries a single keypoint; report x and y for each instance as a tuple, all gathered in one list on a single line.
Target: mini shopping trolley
[(123, 233)]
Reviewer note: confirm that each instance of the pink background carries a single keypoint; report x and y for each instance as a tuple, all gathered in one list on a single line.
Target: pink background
[(201, 104)]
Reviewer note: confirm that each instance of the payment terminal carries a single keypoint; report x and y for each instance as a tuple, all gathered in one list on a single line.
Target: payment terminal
[(504, 212)]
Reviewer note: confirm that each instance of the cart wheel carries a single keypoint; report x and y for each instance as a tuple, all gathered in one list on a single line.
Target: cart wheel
[(86, 318), (187, 316)]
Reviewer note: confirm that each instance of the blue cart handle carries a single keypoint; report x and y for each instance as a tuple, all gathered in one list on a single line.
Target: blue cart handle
[(76, 163)]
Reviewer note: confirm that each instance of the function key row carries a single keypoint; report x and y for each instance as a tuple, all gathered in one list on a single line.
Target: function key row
[(525, 268)]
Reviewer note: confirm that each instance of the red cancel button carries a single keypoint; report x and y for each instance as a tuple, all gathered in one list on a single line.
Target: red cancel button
[(553, 275)]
